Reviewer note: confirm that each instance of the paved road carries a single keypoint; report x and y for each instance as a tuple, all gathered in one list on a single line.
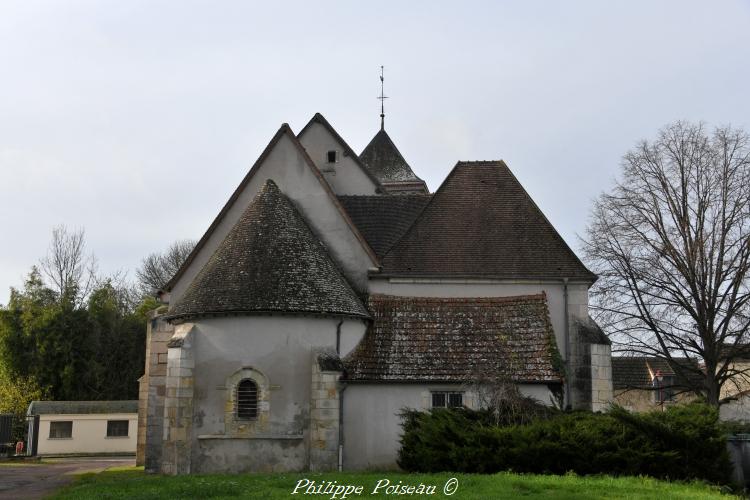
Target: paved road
[(38, 480)]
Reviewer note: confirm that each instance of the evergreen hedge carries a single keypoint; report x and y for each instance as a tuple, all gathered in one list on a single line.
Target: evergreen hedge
[(684, 442)]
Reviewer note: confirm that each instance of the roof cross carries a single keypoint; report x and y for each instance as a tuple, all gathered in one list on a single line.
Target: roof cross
[(382, 98)]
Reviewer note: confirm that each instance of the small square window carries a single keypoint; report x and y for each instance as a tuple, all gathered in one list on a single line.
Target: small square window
[(117, 428), (332, 157), (447, 399), (61, 430)]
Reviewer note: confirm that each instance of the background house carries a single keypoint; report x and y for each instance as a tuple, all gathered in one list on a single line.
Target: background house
[(644, 383), (82, 427)]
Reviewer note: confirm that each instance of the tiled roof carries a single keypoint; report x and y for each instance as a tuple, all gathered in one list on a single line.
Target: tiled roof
[(384, 160), (633, 372), (270, 261), (383, 219), (415, 339), (482, 223), (81, 407)]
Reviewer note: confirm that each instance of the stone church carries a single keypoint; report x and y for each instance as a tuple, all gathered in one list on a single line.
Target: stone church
[(333, 290)]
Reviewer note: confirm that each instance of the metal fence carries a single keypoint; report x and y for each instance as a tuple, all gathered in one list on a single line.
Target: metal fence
[(6, 433)]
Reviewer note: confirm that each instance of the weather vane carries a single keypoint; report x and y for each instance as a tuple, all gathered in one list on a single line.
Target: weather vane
[(382, 98)]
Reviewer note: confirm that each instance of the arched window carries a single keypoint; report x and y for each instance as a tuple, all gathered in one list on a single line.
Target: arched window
[(246, 402)]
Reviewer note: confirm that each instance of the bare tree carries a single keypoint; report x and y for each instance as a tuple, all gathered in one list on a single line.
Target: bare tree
[(158, 268), (70, 270), (671, 244)]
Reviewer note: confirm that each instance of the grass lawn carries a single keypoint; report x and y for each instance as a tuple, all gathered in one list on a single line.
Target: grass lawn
[(133, 484)]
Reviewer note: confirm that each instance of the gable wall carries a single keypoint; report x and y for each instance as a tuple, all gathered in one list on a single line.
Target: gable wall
[(287, 167), (346, 176)]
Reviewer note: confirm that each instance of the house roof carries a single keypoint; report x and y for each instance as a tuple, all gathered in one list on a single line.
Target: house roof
[(382, 220), (283, 131), (635, 372), (419, 339), (348, 151), (81, 407), (384, 160), (482, 223), (270, 261)]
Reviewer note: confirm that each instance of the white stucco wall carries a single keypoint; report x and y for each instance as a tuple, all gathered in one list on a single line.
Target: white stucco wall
[(89, 435), (372, 427), (280, 348), (577, 295), (285, 165), (346, 177)]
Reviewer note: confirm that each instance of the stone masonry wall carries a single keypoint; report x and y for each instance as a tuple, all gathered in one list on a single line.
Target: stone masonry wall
[(178, 402), (151, 392), (601, 376), (324, 413)]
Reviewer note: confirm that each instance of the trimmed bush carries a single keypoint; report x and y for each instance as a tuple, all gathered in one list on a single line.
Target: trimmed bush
[(685, 442)]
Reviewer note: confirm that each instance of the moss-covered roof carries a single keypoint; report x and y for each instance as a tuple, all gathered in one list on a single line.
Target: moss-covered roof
[(269, 262)]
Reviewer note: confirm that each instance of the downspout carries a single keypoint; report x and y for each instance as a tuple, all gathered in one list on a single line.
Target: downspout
[(567, 344), (338, 337), (341, 427), (341, 402)]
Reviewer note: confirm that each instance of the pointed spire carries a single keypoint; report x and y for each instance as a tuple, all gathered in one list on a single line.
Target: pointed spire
[(382, 98)]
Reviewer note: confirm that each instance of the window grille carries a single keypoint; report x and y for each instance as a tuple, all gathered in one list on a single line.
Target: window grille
[(246, 403), (447, 399), (61, 429), (117, 428)]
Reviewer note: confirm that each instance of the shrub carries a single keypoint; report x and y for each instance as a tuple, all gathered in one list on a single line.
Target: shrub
[(684, 442)]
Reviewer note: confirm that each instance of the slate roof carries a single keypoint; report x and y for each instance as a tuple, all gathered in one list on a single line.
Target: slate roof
[(270, 261), (482, 223), (81, 407), (384, 160), (383, 219), (633, 372), (428, 339)]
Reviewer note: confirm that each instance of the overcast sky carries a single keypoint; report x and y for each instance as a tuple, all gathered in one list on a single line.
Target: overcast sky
[(136, 120)]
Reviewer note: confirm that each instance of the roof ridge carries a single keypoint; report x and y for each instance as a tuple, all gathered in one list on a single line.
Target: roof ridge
[(542, 296)]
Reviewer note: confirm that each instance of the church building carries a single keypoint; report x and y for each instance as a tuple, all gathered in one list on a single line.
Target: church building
[(333, 290)]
